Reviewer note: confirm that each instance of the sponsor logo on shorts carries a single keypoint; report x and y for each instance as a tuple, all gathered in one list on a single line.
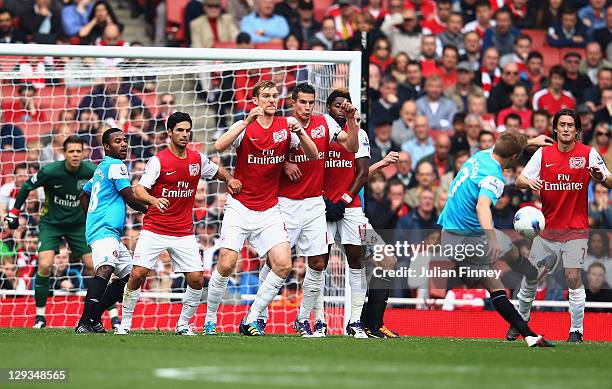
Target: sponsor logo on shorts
[(577, 162)]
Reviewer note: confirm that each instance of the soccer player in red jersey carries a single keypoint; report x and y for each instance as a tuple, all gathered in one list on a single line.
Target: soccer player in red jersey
[(300, 195), (168, 186), (562, 173), (262, 144)]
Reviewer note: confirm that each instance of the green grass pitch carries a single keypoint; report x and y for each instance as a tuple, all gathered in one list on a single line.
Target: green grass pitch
[(163, 360)]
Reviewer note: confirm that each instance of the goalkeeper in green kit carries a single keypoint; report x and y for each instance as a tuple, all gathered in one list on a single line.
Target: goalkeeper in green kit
[(60, 217)]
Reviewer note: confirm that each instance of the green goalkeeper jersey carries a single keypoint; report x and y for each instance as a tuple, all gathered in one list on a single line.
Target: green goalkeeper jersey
[(62, 206)]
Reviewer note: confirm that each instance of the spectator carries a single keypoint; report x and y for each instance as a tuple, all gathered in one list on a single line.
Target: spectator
[(12, 138), (76, 16), (212, 27), (586, 119), (441, 159), (425, 9), (193, 10), (42, 22), (239, 9), (8, 32), (473, 128), (101, 15), (594, 61), (520, 99), (383, 143), (604, 115), (540, 121), (554, 98), (438, 109), (486, 140), (264, 25), (502, 35), (523, 13), (422, 144), (102, 98), (8, 191), (549, 13), (500, 95), (375, 9), (483, 19), (533, 74), (396, 192), (448, 69), (521, 49), (140, 134), (464, 87), (420, 220), (600, 211), (404, 169), (597, 288), (63, 277), (386, 108), (425, 178), (604, 81), (593, 15), (24, 108), (428, 57), (381, 55), (343, 13), (289, 10), (477, 105), (575, 82), (472, 49), (402, 129), (436, 24), (603, 35), (512, 122), (378, 207), (54, 150), (166, 107), (490, 73), (453, 35), (307, 26), (413, 88), (399, 68), (9, 279), (599, 251), (404, 32), (112, 37), (446, 180), (568, 31), (327, 35)]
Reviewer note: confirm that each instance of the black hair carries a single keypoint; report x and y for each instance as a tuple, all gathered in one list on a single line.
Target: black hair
[(110, 11), (296, 36), (414, 62), (6, 11), (451, 47), (482, 3), (21, 165), (483, 133), (26, 87), (106, 135), (176, 118), (514, 116), (302, 87), (243, 38), (340, 92), (72, 139), (571, 54), (567, 112), (558, 70), (534, 54)]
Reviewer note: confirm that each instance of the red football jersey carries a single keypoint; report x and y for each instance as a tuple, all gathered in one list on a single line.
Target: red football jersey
[(322, 130), (175, 179), (340, 169), (543, 99), (261, 154), (566, 184)]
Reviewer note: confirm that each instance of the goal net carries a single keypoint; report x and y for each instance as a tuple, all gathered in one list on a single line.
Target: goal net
[(50, 92)]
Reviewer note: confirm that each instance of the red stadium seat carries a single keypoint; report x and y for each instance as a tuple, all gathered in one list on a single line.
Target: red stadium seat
[(8, 160), (54, 97), (320, 7), (538, 38), (551, 56), (175, 18), (274, 45), (225, 45)]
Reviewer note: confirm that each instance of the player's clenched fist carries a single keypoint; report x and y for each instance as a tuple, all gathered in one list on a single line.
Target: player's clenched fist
[(348, 108), (253, 114), (161, 203), (536, 184), (234, 186), (294, 126)]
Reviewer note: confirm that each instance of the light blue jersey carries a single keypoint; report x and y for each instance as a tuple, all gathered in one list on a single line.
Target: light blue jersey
[(106, 212), (480, 175)]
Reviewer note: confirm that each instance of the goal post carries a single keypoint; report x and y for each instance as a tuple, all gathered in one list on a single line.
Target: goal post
[(51, 91)]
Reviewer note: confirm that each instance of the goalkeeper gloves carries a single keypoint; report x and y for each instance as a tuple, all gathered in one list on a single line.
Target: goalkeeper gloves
[(335, 211), (12, 219)]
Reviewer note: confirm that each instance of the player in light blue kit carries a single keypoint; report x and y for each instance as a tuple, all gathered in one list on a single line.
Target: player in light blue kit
[(467, 223), (103, 200)]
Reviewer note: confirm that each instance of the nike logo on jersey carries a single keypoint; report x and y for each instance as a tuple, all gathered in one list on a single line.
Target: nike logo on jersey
[(169, 173), (549, 164), (252, 139), (57, 186)]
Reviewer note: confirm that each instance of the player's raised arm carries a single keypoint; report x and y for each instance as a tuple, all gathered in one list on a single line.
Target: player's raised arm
[(389, 159), (237, 130), (307, 144), (349, 140)]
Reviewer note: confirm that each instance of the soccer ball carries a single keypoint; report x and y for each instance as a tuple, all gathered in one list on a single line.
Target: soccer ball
[(529, 222)]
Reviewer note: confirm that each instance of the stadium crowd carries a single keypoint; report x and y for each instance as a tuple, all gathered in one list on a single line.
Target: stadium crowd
[(445, 78)]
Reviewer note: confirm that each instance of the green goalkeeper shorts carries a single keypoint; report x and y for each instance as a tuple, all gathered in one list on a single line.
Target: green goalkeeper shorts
[(50, 238)]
